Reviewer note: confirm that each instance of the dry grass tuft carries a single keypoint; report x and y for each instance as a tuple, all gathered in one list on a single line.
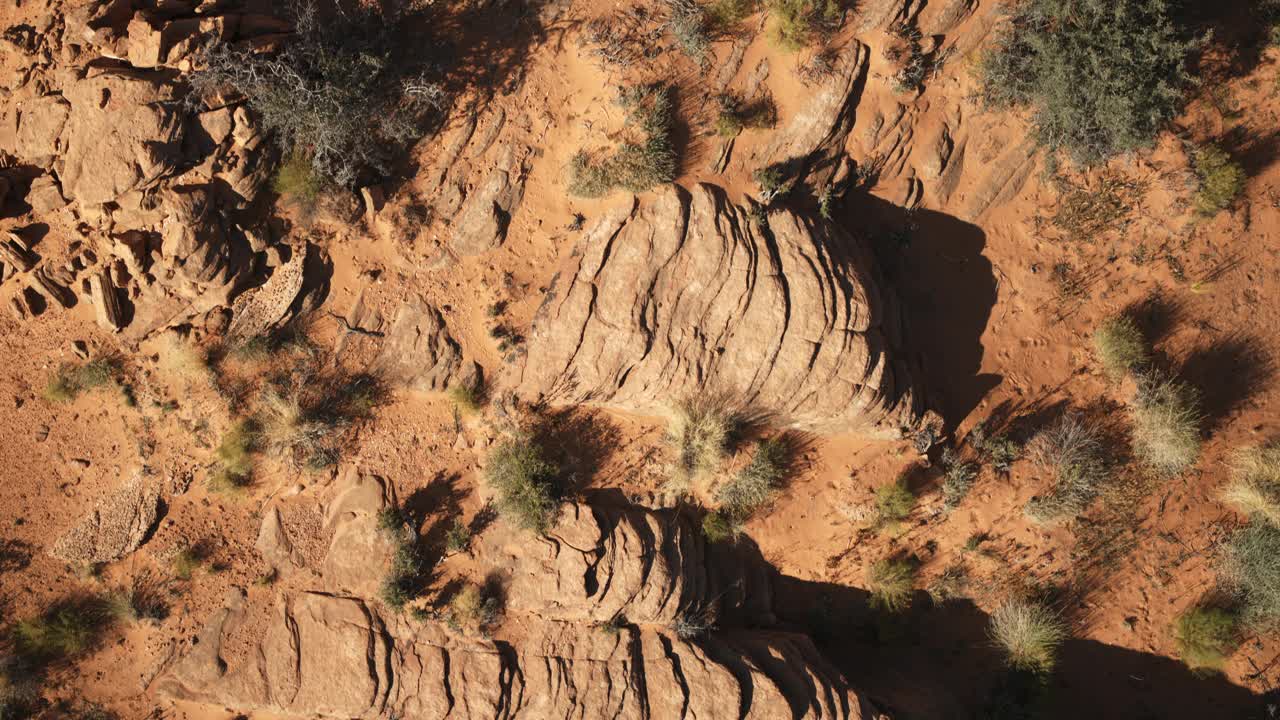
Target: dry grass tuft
[(701, 430), (1029, 634), (1166, 424), (1074, 452), (1254, 488), (1121, 346)]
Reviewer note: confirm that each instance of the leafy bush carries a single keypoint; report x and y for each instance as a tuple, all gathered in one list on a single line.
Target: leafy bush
[(1101, 76), (795, 22), (1252, 563), (1205, 637), (775, 180), (894, 502), (1254, 488), (458, 538), (724, 15), (1029, 634), (891, 583), (1074, 452), (524, 482), (1221, 180), (1166, 424), (467, 396), (638, 164), (338, 92), (1121, 346)]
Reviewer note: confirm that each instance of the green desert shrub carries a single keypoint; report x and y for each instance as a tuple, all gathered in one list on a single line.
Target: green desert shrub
[(1205, 637), (467, 396), (404, 574), (894, 502), (690, 27), (725, 15), (794, 23), (71, 380), (187, 560), (1254, 488), (524, 480), (234, 468), (957, 479), (717, 527), (64, 630), (775, 180), (1251, 562), (342, 90), (891, 582), (1221, 180), (1166, 424), (1073, 452), (1101, 77), (295, 178), (637, 164), (1121, 346), (1028, 633), (737, 115), (754, 485), (998, 450)]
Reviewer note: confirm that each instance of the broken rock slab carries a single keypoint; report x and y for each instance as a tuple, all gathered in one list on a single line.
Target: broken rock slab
[(115, 527)]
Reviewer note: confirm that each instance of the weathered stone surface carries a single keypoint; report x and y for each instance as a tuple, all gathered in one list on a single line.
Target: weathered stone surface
[(261, 308), (685, 293), (418, 351), (115, 528), (33, 127), (123, 133), (358, 550), (321, 655)]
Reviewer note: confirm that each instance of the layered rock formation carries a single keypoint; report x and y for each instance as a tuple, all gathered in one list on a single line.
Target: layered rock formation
[(603, 619), (686, 292)]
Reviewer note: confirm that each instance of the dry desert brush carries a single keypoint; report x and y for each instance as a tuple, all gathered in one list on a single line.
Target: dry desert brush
[(71, 380), (752, 487), (1029, 634), (1074, 452), (701, 430), (1254, 488), (894, 502), (1251, 563), (645, 159), (1101, 77), (525, 483), (65, 629), (795, 23), (1166, 420), (342, 92), (1205, 636)]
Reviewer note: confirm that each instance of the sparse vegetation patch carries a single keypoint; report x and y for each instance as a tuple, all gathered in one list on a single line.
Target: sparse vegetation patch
[(891, 582), (1121, 346), (754, 485), (1221, 180), (640, 163), (1254, 488), (1101, 78), (1252, 564)]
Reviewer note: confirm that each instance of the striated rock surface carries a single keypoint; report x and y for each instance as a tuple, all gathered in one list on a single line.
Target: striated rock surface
[(686, 293), (600, 562), (115, 528), (309, 653)]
